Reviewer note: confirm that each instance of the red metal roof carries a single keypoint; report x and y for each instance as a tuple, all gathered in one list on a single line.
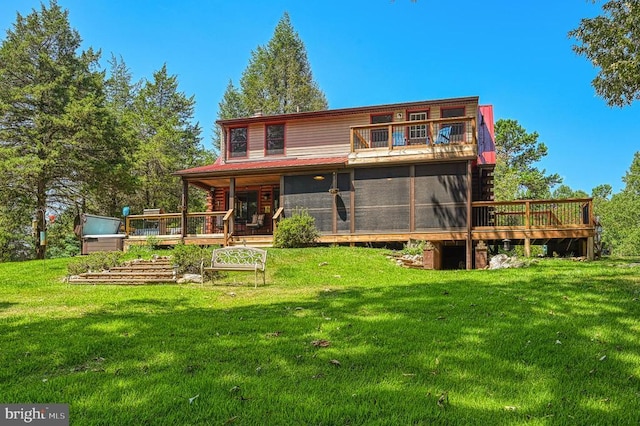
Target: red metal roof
[(263, 165)]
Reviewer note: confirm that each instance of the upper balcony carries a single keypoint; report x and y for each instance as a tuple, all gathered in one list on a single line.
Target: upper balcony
[(442, 138)]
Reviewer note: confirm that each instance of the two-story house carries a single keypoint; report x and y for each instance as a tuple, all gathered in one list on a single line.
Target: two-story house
[(374, 174)]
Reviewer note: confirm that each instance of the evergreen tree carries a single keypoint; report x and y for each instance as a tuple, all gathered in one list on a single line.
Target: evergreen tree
[(167, 141), (117, 183), (565, 191), (231, 106), (277, 80), (516, 176), (54, 127), (621, 215)]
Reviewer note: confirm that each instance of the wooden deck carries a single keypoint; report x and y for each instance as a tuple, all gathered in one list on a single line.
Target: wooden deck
[(526, 222)]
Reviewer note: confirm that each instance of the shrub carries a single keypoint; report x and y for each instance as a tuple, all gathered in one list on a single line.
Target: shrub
[(187, 258), (299, 230), (414, 247), (95, 262), (138, 251)]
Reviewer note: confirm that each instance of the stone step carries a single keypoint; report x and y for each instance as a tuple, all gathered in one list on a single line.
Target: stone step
[(122, 281), (163, 262), (139, 274), (138, 267), (136, 272)]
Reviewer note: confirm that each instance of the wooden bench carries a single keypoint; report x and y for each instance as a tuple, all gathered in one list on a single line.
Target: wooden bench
[(237, 259)]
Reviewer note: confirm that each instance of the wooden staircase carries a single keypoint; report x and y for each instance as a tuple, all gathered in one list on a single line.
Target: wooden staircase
[(158, 271)]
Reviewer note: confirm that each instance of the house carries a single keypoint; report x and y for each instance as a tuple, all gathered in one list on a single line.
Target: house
[(375, 174)]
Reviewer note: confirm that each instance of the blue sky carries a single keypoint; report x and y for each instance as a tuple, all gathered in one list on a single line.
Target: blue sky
[(515, 55)]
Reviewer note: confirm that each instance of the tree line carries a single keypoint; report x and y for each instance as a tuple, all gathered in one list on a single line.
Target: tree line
[(76, 139)]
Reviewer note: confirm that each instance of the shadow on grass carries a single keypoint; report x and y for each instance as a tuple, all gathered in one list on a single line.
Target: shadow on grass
[(524, 347)]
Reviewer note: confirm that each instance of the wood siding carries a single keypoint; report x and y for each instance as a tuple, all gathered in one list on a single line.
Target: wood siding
[(330, 136)]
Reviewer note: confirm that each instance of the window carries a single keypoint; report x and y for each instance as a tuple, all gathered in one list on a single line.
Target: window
[(238, 142), (418, 133), (274, 139), (457, 129), (380, 137)]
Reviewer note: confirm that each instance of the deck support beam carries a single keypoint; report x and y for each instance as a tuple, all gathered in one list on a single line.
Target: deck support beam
[(469, 244), (232, 203), (184, 208)]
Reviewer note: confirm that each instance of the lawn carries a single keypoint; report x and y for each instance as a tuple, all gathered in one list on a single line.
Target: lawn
[(337, 336)]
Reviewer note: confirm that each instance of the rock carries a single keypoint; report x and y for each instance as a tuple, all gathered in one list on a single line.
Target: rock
[(502, 261), (190, 278)]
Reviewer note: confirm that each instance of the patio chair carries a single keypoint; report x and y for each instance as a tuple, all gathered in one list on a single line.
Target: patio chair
[(444, 135), (398, 139), (257, 222)]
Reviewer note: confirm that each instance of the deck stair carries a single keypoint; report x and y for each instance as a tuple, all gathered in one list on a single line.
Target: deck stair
[(158, 271)]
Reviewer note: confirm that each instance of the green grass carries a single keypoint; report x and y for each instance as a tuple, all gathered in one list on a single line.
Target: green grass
[(556, 343)]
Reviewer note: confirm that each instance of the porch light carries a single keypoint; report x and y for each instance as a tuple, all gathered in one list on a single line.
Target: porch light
[(506, 244), (318, 177)]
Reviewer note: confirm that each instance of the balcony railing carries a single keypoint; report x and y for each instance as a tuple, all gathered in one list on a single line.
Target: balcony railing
[(416, 134), (528, 214)]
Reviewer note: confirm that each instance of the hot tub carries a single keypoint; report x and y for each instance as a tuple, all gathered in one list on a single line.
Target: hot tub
[(102, 242)]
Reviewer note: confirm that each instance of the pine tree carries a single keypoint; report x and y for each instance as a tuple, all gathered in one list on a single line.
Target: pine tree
[(54, 127), (516, 176), (621, 215), (231, 106), (167, 141), (277, 80)]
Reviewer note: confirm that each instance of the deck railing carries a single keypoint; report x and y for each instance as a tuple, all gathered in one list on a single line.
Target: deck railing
[(417, 134), (555, 214), (170, 224)]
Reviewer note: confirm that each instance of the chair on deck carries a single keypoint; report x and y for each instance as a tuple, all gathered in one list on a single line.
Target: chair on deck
[(257, 222), (398, 139), (444, 135)]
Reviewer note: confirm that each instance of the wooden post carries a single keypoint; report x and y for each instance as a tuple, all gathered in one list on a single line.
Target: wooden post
[(353, 148), (474, 134), (590, 248), (412, 198), (469, 219), (334, 198), (352, 203), (430, 136), (184, 208), (527, 213), (527, 247), (232, 202)]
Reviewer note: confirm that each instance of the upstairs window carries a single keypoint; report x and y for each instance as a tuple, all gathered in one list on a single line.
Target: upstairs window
[(380, 137), (418, 133), (274, 139), (457, 129), (238, 142)]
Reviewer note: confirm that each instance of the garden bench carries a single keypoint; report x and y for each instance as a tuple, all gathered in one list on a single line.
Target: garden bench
[(237, 259)]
